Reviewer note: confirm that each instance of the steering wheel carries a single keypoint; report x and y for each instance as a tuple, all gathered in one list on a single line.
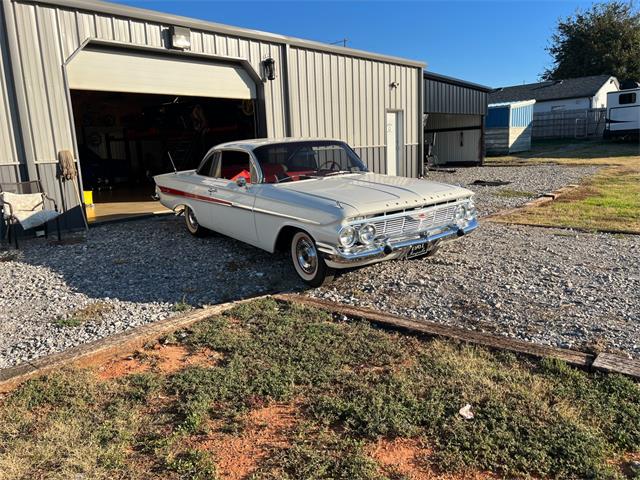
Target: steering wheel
[(331, 163)]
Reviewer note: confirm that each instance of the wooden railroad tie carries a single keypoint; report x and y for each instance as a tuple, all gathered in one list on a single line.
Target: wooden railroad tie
[(606, 362), (100, 351)]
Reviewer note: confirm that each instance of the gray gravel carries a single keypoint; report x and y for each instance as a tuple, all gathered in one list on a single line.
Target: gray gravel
[(141, 270), (525, 183), (553, 287)]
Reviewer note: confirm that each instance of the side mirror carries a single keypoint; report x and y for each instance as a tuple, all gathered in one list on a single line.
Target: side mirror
[(241, 182)]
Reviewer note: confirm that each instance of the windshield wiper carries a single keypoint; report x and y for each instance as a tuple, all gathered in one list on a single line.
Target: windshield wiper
[(297, 177), (338, 172)]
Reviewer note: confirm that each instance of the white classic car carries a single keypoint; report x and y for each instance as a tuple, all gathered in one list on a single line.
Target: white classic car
[(316, 199)]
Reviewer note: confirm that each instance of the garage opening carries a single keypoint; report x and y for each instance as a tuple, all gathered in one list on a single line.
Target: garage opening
[(134, 112)]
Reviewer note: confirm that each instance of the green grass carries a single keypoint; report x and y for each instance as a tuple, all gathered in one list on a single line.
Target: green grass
[(573, 152), (352, 384), (182, 305), (608, 201)]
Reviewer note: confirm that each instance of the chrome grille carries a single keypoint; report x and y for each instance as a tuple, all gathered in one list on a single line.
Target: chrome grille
[(415, 221)]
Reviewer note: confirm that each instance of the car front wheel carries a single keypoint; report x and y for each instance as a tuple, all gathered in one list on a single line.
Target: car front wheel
[(192, 224), (309, 264)]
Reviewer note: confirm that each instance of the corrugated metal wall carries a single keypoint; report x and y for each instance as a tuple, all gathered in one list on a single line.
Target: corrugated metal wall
[(329, 94), (521, 116), (443, 120), (11, 156), (442, 97), (345, 97)]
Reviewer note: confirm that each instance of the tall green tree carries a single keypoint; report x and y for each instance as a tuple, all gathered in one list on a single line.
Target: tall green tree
[(602, 40)]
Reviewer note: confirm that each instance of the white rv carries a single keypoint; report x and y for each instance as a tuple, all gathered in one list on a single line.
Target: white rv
[(623, 114)]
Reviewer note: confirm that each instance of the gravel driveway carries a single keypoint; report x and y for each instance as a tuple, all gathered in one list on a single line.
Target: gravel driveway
[(550, 286), (524, 183), (131, 273)]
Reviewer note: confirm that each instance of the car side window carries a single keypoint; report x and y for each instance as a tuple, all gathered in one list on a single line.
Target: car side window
[(207, 166), (234, 164)]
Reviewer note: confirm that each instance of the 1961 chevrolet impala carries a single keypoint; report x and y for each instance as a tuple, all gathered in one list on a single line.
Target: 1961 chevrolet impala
[(316, 199)]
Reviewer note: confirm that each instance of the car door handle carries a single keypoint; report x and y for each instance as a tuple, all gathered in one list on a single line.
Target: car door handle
[(213, 190)]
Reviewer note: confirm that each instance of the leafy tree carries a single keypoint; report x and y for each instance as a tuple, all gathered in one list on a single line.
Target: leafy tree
[(602, 40)]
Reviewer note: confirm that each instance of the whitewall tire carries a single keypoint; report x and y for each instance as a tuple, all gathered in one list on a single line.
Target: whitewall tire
[(192, 224), (308, 262)]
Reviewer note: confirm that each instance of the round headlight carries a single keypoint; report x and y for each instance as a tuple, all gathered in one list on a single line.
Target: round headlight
[(347, 236), (460, 213), (367, 233), (471, 210)]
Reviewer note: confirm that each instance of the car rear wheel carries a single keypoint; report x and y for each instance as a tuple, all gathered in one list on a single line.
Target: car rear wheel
[(307, 261), (192, 224)]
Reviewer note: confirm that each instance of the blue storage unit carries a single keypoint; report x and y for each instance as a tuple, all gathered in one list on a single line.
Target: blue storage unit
[(509, 127)]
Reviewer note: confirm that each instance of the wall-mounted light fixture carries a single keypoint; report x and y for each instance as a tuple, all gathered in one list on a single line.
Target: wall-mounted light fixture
[(269, 65), (394, 84), (180, 38)]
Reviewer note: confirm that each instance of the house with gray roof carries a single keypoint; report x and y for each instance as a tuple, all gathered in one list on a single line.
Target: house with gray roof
[(558, 95)]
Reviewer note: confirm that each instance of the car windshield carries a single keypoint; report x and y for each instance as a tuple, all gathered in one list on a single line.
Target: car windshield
[(291, 161)]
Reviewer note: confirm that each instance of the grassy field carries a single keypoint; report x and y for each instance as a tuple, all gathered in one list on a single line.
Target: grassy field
[(274, 391), (608, 201)]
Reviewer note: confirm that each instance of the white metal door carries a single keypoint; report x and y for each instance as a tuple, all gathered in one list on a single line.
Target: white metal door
[(139, 72), (394, 141)]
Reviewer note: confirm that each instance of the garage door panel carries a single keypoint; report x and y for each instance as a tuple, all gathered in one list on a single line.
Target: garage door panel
[(132, 72)]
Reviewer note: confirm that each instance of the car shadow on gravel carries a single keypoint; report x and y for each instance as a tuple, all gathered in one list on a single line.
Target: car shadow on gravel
[(156, 260)]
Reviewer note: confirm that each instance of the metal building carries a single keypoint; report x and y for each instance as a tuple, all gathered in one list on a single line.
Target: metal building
[(454, 114), (119, 87)]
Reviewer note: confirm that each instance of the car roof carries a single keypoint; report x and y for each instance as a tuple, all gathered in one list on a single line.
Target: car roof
[(253, 143)]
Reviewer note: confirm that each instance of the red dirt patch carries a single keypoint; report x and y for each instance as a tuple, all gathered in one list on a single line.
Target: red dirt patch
[(162, 359), (409, 458), (266, 428)]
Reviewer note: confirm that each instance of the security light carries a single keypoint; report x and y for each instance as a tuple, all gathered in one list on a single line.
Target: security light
[(269, 68), (180, 38)]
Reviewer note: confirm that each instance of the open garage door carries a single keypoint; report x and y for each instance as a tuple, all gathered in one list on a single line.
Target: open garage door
[(133, 111), (135, 72)]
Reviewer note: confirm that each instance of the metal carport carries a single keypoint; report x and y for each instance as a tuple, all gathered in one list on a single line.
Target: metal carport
[(454, 116)]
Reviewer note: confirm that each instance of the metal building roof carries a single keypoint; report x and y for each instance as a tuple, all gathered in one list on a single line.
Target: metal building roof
[(456, 81), (170, 19), (551, 89), (444, 94)]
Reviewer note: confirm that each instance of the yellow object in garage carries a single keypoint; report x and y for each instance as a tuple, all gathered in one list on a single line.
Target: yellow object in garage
[(88, 198)]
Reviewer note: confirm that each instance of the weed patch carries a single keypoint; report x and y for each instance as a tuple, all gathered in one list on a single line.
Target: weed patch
[(94, 312), (316, 454), (352, 385)]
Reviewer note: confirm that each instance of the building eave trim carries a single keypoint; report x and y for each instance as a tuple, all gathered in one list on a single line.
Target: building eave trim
[(170, 19)]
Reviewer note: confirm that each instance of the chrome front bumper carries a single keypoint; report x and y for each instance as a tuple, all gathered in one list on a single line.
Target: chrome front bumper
[(392, 248)]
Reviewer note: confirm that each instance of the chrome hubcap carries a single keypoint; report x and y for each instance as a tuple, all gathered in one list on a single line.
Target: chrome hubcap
[(192, 219), (307, 256)]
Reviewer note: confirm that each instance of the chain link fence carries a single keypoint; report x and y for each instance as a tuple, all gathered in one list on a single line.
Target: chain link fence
[(584, 123)]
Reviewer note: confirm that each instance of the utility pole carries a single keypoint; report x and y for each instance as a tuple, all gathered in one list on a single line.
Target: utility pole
[(343, 42)]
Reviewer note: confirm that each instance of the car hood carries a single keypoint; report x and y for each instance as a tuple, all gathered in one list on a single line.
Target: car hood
[(371, 193)]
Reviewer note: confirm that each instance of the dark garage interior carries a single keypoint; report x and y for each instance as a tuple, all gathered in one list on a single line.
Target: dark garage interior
[(124, 139)]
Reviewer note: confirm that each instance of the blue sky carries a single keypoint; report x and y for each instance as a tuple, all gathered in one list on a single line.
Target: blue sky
[(495, 43)]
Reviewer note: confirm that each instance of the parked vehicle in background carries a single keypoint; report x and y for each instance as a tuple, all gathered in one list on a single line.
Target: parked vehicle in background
[(623, 114), (316, 199)]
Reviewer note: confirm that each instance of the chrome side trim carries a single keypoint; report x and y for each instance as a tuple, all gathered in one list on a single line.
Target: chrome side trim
[(283, 215)]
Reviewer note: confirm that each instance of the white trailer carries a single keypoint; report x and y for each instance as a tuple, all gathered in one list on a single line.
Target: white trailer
[(623, 114)]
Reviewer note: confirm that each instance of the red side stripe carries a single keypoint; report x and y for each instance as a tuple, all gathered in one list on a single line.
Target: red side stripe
[(180, 193)]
